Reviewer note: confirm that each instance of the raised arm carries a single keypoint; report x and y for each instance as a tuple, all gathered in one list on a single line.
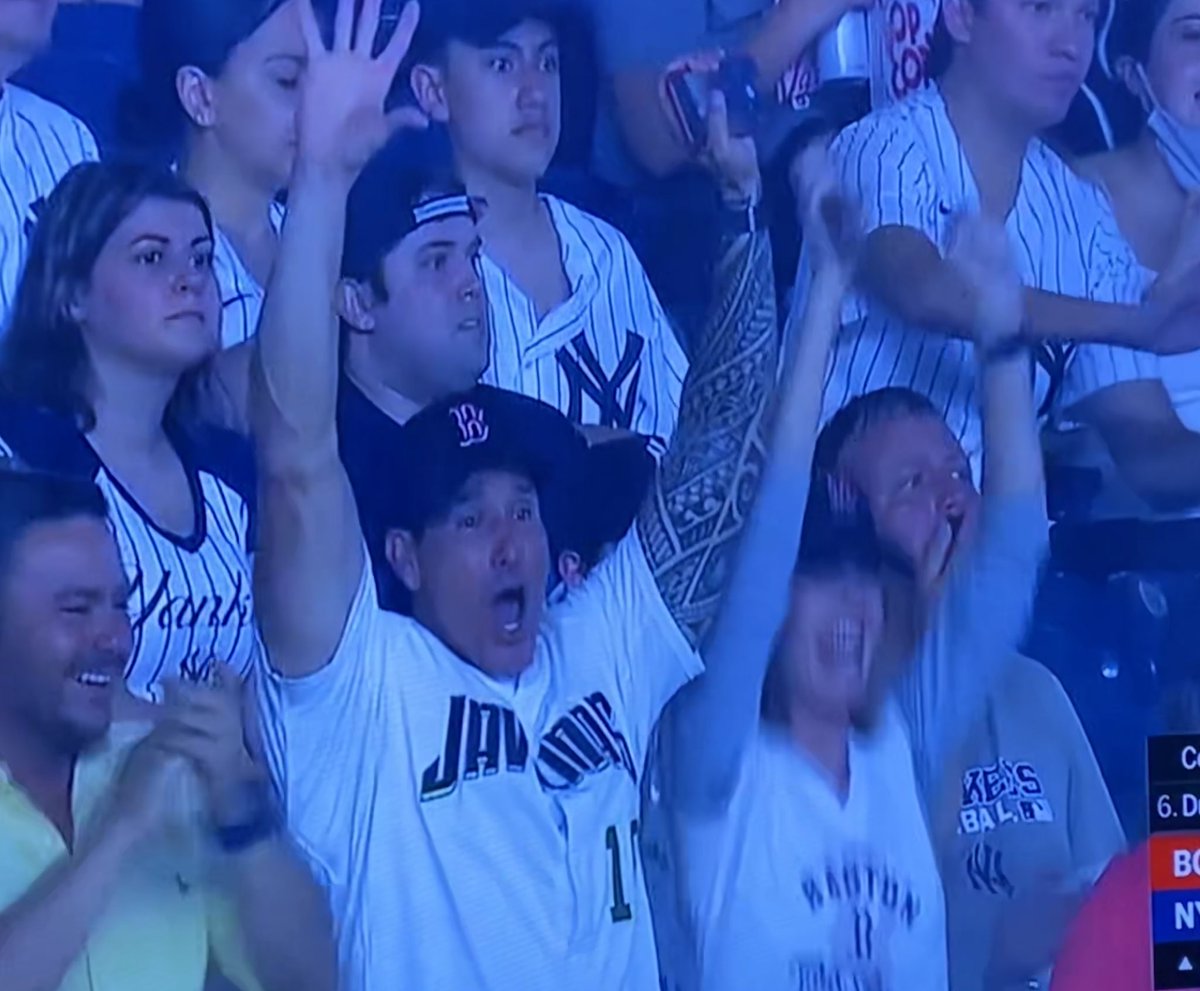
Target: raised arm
[(695, 514), (709, 723), (983, 609), (310, 556)]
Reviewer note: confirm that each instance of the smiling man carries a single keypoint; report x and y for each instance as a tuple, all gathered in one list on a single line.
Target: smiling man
[(575, 320), (128, 855)]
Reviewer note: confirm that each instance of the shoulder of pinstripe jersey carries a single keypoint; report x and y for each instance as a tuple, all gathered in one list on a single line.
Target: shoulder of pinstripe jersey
[(46, 113)]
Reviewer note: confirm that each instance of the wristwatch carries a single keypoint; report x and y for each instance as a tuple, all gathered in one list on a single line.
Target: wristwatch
[(259, 820)]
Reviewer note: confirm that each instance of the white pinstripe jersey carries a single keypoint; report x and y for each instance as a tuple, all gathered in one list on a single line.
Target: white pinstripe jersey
[(241, 295), (606, 356), (907, 167), (191, 601), (39, 143)]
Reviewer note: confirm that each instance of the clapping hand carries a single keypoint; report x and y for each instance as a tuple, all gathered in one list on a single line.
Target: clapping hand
[(203, 725), (981, 254), (342, 119)]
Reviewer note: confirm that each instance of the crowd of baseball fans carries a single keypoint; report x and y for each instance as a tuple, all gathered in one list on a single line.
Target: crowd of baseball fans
[(519, 495)]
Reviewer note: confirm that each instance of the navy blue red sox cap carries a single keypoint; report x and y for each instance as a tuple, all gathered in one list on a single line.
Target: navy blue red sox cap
[(589, 496), (483, 429)]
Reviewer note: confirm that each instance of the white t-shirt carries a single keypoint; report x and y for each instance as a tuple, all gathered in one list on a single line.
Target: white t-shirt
[(608, 355), (791, 889), (241, 295), (907, 167), (39, 143), (477, 834)]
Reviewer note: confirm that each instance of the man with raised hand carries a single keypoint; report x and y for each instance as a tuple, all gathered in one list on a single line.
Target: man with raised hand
[(466, 781)]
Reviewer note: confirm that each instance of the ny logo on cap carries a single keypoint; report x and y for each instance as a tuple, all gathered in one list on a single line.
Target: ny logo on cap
[(472, 429)]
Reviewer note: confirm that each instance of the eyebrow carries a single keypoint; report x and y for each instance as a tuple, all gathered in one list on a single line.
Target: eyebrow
[(502, 44), (164, 240)]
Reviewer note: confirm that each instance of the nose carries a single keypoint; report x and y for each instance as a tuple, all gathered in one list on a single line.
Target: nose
[(1071, 36), (532, 93), (189, 280), (471, 284), (114, 634), (505, 552)]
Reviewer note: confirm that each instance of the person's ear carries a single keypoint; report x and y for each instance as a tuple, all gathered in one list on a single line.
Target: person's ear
[(959, 16), (356, 305), (570, 569), (1132, 78), (401, 550), (428, 84), (195, 91)]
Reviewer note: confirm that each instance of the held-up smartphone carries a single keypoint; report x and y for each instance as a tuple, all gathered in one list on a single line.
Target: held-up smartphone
[(689, 93)]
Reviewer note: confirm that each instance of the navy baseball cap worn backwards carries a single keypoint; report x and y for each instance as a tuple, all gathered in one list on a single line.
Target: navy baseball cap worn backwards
[(484, 429), (391, 200), (480, 23)]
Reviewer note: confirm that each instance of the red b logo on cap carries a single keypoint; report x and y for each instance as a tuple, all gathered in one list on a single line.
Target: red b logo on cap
[(472, 429)]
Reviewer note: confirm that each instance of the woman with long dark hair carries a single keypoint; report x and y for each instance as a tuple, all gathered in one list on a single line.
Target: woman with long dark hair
[(116, 317), (218, 98)]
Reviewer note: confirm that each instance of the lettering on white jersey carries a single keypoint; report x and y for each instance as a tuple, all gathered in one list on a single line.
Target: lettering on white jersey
[(196, 610), (482, 739), (584, 742)]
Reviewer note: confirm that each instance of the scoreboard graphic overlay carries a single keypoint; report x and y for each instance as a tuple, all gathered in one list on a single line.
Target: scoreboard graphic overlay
[(1175, 861)]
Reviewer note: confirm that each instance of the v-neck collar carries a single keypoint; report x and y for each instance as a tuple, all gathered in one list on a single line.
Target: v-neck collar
[(582, 262)]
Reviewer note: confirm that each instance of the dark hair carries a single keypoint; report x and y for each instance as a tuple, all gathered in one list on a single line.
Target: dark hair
[(43, 360), (859, 415), (28, 498), (941, 45), (174, 34), (1133, 27)]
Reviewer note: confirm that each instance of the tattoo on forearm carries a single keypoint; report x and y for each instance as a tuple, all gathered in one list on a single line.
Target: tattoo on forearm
[(709, 479)]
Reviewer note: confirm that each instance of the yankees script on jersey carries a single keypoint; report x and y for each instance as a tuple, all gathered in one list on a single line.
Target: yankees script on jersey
[(861, 909), (608, 355), (475, 833), (906, 165), (190, 594), (39, 143), (241, 295)]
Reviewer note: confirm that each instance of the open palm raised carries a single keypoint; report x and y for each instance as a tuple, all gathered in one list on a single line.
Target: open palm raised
[(342, 120)]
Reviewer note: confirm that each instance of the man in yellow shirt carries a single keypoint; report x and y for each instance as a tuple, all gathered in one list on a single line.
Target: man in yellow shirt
[(130, 855)]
